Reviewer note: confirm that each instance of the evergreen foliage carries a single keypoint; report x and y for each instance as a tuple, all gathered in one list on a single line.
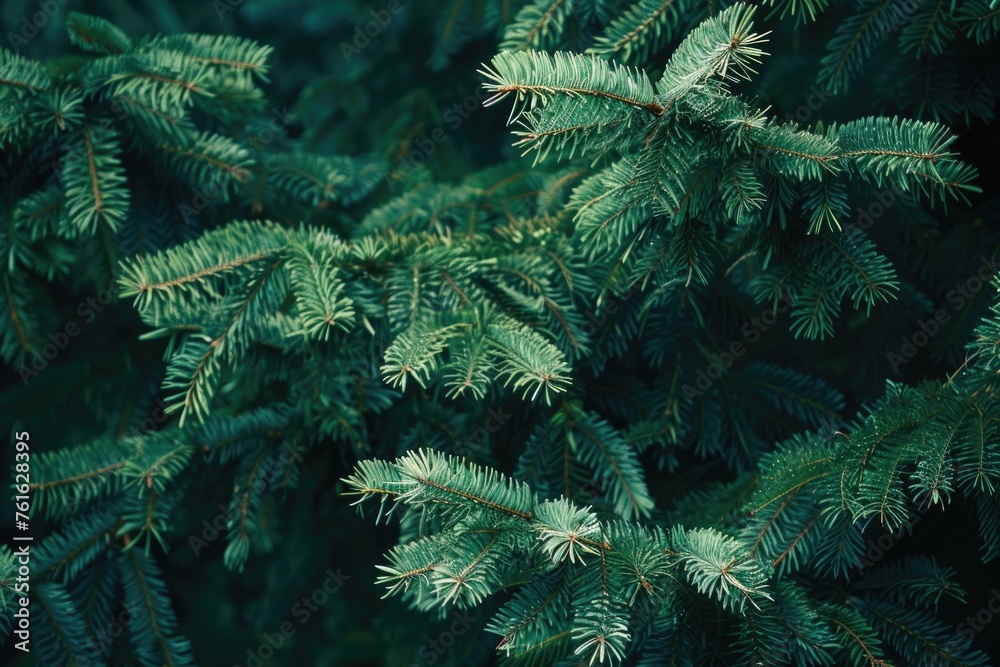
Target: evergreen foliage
[(181, 114), (680, 367)]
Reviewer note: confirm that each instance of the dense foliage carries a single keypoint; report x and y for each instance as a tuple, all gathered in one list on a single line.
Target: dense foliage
[(533, 332)]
